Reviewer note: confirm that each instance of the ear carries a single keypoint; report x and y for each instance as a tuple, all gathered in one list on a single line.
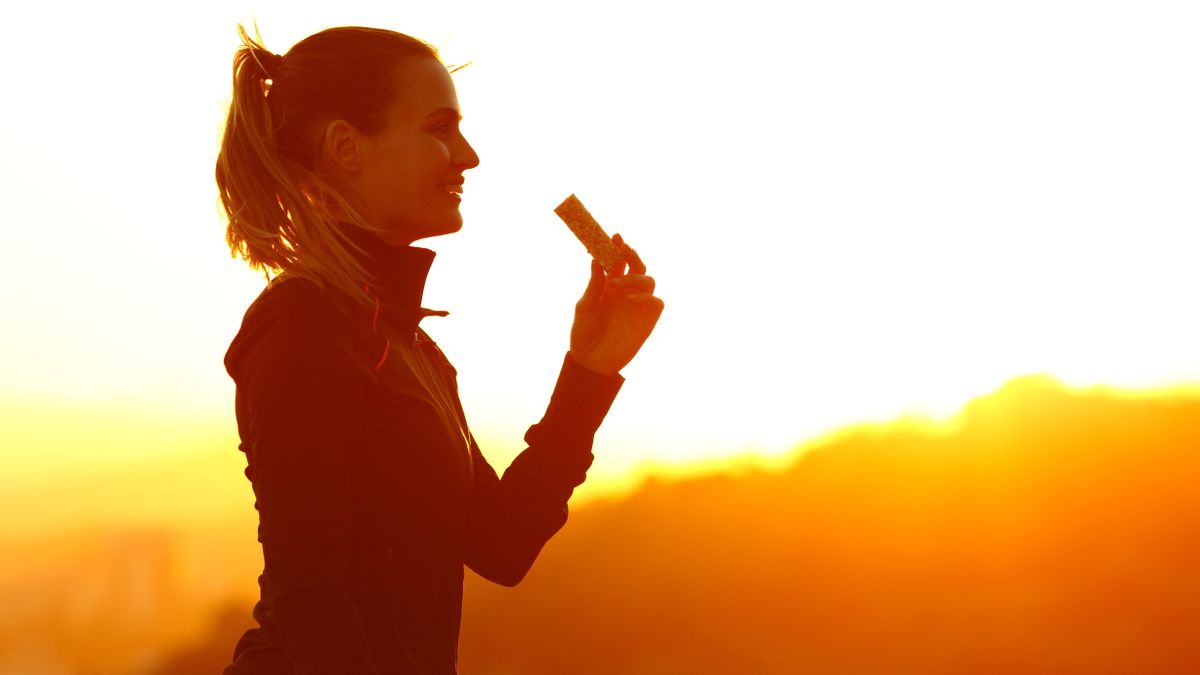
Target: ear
[(340, 147)]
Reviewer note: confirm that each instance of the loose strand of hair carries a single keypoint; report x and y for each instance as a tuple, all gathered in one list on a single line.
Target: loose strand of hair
[(274, 223)]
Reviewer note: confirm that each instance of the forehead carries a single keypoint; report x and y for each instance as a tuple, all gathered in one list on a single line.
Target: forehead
[(424, 86)]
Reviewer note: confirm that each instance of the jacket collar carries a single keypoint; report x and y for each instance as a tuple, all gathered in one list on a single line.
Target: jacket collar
[(400, 273)]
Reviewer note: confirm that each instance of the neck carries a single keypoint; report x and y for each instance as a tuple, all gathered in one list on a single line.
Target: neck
[(392, 239)]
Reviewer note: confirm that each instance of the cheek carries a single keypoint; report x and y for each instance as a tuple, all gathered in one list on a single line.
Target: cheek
[(435, 157), (399, 176), (411, 173), (423, 162)]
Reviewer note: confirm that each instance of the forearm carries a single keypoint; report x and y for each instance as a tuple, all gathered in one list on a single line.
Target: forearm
[(513, 517)]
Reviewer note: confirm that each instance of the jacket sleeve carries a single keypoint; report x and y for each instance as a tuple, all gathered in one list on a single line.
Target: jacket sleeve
[(301, 396), (512, 518)]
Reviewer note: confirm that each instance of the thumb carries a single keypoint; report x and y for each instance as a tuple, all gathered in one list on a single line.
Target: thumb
[(595, 287)]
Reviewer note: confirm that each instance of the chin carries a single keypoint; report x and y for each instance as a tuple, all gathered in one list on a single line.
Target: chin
[(454, 224), (449, 228), (415, 227)]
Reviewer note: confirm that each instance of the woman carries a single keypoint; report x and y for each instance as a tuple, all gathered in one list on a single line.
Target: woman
[(371, 492)]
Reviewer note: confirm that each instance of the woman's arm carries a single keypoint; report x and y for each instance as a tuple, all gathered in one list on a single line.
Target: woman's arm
[(300, 406), (511, 519)]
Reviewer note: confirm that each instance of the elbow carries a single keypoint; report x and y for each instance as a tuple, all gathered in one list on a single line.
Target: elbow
[(507, 568), (509, 580), (506, 573), (504, 556)]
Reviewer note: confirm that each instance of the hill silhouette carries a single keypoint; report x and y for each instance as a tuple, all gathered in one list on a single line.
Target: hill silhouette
[(1044, 531), (1048, 531)]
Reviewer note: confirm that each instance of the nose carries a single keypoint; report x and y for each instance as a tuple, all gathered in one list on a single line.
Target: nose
[(464, 155)]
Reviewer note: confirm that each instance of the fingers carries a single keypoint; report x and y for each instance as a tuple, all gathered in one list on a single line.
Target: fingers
[(648, 299), (632, 283), (636, 266), (648, 303), (617, 270), (645, 298), (595, 289), (638, 291)]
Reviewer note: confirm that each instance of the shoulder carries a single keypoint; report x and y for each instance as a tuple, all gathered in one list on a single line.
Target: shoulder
[(290, 306), (294, 299), (292, 316)]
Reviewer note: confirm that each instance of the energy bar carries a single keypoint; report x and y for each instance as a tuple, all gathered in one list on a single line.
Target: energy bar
[(589, 232)]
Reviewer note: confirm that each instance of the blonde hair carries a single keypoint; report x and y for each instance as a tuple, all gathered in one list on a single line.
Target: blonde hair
[(283, 216)]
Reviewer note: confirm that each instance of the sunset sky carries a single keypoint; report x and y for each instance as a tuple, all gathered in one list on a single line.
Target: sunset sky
[(854, 210)]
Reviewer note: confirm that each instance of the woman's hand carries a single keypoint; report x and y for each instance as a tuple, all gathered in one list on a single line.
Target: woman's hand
[(616, 314)]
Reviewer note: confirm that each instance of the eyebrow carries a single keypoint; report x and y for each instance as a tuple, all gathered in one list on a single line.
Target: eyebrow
[(445, 112)]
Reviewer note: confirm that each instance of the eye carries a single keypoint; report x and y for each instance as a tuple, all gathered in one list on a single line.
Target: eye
[(441, 129)]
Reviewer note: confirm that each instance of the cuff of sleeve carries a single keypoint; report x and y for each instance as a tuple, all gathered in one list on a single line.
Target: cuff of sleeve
[(581, 397)]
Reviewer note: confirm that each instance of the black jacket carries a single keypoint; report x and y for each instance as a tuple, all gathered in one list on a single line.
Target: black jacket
[(371, 491)]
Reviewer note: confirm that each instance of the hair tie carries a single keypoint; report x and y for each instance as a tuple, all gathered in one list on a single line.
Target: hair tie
[(268, 61), (273, 62)]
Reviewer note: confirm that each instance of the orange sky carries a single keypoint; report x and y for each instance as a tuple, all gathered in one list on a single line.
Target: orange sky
[(854, 210), (1043, 526)]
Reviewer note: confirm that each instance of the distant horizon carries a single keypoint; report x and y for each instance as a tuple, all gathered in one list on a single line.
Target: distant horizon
[(84, 499)]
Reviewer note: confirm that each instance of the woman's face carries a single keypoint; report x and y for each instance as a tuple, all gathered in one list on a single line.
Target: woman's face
[(410, 175)]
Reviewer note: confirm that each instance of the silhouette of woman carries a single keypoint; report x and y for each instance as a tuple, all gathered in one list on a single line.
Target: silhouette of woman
[(371, 492)]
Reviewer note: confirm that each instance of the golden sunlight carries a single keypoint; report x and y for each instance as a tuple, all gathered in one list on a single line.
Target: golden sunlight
[(923, 399)]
